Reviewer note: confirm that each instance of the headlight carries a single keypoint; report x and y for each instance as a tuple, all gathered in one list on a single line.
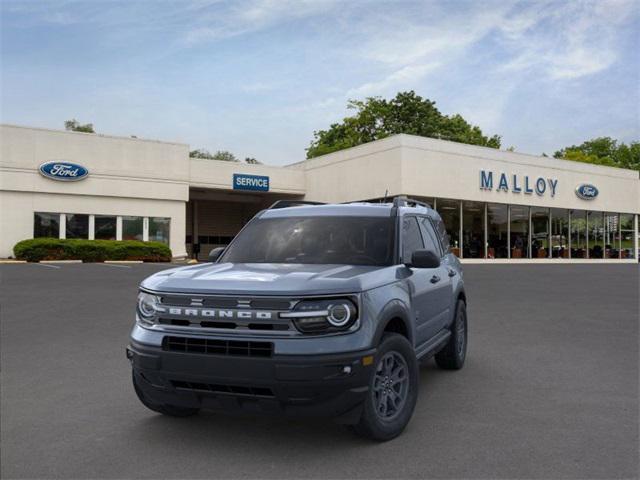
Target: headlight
[(323, 316), (147, 306)]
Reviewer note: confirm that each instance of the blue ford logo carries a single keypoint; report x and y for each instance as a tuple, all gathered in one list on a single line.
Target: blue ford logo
[(64, 171), (586, 191)]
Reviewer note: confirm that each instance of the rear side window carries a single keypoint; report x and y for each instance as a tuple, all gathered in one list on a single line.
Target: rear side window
[(429, 235), (411, 238), (442, 232)]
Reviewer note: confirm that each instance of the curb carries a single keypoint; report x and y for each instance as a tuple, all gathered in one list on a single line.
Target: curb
[(7, 261), (123, 261), (60, 261)]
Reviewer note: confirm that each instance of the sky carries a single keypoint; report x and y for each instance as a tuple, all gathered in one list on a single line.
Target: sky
[(258, 77)]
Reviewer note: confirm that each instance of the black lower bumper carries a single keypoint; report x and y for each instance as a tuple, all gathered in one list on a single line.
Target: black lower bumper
[(317, 385)]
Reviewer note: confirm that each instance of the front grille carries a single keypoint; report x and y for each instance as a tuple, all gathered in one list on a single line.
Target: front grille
[(186, 300), (281, 325), (228, 389), (217, 347)]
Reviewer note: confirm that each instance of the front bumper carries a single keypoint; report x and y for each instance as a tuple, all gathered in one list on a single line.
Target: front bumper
[(291, 385)]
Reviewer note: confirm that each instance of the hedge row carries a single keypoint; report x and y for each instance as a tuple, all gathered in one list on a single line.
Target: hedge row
[(37, 249)]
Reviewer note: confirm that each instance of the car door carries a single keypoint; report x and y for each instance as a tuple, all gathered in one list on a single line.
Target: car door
[(442, 284), (423, 288)]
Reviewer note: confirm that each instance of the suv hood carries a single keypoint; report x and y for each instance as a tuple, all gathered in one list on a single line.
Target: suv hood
[(270, 279)]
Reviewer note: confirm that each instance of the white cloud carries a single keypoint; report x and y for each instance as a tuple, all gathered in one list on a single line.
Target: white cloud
[(250, 16), (405, 77), (564, 41)]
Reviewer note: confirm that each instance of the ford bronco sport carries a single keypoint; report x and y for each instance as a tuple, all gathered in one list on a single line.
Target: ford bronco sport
[(311, 310)]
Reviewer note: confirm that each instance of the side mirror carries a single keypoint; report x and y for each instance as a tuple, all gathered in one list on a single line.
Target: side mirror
[(424, 259), (215, 254)]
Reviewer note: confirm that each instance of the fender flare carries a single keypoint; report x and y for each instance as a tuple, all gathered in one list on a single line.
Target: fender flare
[(394, 309)]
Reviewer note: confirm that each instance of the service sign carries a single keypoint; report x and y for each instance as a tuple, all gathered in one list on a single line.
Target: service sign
[(63, 171), (586, 191), (257, 183)]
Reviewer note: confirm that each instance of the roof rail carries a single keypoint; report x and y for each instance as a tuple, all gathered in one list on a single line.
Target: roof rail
[(403, 201), (292, 203)]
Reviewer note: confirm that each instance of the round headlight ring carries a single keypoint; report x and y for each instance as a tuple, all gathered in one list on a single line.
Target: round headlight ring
[(146, 304), (339, 314)]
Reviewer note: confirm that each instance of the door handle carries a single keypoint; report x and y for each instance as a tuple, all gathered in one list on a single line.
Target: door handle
[(435, 279), (452, 272)]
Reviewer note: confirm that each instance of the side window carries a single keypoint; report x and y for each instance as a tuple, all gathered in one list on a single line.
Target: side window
[(444, 236), (411, 238), (430, 240)]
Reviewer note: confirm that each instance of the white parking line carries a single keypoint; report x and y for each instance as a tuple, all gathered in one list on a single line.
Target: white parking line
[(114, 265), (47, 265)]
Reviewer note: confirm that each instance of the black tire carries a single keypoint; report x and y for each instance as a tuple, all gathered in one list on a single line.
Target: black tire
[(454, 353), (170, 410), (374, 423)]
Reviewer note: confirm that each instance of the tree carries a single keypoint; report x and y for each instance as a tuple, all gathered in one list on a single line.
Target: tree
[(75, 126), (252, 161), (377, 118), (201, 153), (219, 155), (604, 151), (224, 156)]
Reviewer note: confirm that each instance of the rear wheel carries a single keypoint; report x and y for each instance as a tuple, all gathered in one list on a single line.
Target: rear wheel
[(452, 356), (393, 390), (170, 410)]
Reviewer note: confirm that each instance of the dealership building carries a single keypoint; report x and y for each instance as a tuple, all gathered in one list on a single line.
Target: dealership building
[(498, 206)]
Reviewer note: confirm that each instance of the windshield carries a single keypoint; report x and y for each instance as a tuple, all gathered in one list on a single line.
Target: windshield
[(337, 240)]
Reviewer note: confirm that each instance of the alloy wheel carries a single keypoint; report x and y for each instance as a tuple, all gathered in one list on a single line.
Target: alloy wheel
[(390, 385)]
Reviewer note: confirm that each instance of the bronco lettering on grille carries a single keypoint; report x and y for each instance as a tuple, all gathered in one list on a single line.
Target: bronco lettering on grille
[(220, 314)]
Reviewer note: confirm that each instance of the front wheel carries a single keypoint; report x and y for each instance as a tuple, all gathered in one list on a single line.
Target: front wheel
[(452, 356), (393, 390)]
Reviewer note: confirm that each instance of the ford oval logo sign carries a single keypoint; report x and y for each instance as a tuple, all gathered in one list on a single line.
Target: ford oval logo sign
[(63, 171), (586, 191)]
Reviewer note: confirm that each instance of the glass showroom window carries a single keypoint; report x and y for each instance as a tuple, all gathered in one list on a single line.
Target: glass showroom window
[(519, 231), (77, 226), (159, 229), (596, 235), (611, 235), (449, 211), (578, 234), (473, 241), (497, 231), (627, 233), (132, 228), (46, 225), (539, 232), (559, 233), (105, 227)]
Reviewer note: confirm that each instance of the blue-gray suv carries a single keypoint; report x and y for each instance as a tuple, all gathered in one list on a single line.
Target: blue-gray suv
[(313, 309)]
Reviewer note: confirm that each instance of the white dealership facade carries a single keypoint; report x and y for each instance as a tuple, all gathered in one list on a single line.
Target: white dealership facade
[(498, 206)]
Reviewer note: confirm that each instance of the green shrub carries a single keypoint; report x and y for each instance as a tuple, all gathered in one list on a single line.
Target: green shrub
[(36, 249)]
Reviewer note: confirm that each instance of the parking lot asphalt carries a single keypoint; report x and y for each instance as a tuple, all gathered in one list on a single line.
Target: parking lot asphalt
[(550, 388)]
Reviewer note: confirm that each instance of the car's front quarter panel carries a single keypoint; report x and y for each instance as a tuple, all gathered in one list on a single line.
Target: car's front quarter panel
[(387, 303)]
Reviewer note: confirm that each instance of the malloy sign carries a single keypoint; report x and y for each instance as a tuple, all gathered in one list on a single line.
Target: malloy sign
[(518, 183)]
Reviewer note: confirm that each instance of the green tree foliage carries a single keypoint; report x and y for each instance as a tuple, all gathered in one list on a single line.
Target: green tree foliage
[(377, 118), (604, 151), (75, 126), (201, 153), (252, 161), (224, 156), (219, 155)]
